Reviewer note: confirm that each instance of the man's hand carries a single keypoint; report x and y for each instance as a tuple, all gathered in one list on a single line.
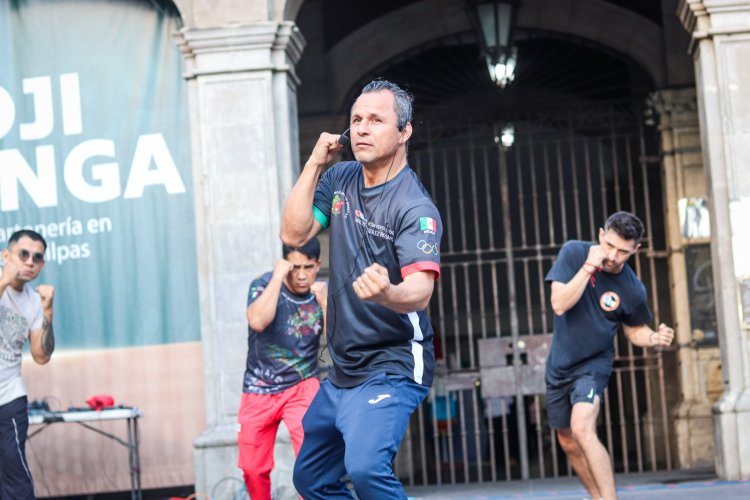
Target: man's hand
[(10, 272), (320, 290), (46, 293), (596, 255), (282, 269), (325, 149), (662, 337), (374, 282)]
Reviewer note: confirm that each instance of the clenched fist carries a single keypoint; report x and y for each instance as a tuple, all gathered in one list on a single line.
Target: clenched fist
[(46, 293), (663, 336)]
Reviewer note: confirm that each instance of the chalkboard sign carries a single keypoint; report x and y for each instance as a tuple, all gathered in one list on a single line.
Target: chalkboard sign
[(701, 294)]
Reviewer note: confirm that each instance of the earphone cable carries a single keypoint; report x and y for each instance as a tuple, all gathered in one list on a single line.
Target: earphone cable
[(330, 330)]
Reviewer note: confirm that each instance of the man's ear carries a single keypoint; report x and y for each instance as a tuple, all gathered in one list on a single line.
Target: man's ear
[(601, 233), (406, 133)]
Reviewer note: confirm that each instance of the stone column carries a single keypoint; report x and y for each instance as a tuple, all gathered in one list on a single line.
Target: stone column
[(720, 31), (242, 97), (699, 368)]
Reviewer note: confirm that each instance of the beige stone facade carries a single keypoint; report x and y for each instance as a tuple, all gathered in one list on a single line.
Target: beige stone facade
[(252, 105)]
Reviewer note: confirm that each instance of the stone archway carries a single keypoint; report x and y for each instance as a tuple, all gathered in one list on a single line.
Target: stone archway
[(599, 22), (391, 38)]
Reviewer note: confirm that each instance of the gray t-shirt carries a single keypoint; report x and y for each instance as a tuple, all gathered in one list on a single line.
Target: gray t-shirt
[(397, 226), (20, 312)]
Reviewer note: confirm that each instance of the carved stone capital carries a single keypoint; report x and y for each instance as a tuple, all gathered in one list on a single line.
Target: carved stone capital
[(708, 18), (275, 46), (675, 107)]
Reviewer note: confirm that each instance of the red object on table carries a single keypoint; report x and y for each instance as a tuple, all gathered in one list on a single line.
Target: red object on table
[(100, 402)]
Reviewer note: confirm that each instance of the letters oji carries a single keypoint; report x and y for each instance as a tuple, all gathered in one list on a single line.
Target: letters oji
[(41, 183)]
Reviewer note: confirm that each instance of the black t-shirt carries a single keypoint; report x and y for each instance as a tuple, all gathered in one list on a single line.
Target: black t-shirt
[(583, 340), (286, 352), (397, 226)]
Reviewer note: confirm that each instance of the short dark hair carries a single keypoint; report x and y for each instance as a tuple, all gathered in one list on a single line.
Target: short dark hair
[(626, 225), (403, 101), (311, 249), (29, 234)]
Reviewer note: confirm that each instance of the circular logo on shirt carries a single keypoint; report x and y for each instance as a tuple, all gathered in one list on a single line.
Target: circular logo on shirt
[(609, 301), (339, 204)]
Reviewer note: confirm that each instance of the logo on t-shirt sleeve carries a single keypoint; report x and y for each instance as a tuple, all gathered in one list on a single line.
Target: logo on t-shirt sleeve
[(427, 225), (255, 291), (340, 204)]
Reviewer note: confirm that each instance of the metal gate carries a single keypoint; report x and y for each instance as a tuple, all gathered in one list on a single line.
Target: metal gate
[(506, 214)]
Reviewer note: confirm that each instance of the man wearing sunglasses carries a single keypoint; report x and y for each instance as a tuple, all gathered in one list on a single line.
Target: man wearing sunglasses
[(25, 313)]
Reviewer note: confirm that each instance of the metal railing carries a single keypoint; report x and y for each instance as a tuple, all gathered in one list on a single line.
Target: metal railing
[(506, 215)]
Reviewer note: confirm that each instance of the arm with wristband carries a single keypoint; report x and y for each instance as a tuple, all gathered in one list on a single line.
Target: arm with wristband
[(298, 225), (644, 336), (566, 295)]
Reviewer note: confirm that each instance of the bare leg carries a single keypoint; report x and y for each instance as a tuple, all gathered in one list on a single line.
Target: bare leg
[(578, 461), (583, 429)]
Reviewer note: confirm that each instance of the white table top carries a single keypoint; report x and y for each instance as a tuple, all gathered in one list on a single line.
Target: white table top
[(84, 415)]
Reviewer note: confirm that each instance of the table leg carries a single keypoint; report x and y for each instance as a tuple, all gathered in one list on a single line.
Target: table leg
[(137, 458)]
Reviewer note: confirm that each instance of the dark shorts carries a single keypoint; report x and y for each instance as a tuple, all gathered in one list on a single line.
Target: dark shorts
[(561, 398)]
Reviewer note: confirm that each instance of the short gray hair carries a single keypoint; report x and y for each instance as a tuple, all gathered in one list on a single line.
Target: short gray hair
[(402, 100)]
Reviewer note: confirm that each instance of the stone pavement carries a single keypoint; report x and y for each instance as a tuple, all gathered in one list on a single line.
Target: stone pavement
[(682, 485)]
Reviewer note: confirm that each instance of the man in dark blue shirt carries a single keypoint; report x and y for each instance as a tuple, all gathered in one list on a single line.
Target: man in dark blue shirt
[(285, 312), (594, 291), (384, 259)]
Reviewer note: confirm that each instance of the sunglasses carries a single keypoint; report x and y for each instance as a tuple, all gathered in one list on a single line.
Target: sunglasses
[(24, 255)]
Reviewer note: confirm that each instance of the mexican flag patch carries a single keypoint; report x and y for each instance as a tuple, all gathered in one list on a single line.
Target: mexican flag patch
[(427, 224)]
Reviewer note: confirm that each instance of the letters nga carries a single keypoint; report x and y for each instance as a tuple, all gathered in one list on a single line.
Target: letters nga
[(82, 177)]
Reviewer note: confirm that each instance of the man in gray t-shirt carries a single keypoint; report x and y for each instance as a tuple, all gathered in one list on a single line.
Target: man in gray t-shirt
[(25, 313), (385, 258)]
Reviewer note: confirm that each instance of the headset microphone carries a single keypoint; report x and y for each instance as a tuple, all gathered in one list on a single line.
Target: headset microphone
[(344, 137)]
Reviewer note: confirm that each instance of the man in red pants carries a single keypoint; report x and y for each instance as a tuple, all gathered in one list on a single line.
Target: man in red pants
[(285, 315)]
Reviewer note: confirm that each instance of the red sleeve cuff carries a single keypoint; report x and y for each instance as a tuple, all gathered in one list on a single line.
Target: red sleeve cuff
[(421, 266)]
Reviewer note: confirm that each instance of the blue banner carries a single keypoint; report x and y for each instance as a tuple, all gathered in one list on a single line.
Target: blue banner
[(95, 156)]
